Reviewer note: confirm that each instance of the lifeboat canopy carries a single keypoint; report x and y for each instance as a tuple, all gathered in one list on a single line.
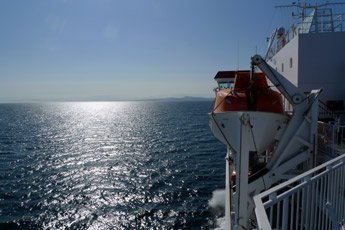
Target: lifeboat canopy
[(243, 91)]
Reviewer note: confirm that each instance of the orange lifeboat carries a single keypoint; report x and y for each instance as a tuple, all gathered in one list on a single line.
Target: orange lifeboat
[(243, 91)]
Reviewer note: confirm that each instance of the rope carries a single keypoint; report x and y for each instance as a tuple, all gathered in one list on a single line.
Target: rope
[(251, 130)]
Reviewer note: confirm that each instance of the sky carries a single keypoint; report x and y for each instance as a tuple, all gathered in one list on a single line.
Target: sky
[(126, 49)]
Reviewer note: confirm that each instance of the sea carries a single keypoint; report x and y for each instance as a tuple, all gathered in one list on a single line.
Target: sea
[(110, 165)]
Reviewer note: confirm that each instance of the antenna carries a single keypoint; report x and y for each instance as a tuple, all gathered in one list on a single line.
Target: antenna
[(309, 6), (304, 9), (238, 55)]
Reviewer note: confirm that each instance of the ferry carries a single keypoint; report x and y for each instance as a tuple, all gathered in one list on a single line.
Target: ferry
[(283, 122)]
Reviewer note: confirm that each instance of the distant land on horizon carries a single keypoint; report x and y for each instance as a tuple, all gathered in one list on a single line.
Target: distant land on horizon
[(101, 99), (185, 98)]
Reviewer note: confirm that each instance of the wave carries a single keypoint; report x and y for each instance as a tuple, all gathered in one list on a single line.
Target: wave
[(221, 224), (218, 199), (217, 205)]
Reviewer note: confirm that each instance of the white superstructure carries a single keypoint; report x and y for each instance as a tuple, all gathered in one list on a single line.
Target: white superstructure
[(311, 54), (301, 180)]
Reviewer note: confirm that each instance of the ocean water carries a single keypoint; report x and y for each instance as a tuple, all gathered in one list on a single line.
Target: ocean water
[(109, 165)]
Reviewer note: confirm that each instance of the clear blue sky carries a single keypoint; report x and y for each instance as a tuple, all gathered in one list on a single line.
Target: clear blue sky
[(126, 49)]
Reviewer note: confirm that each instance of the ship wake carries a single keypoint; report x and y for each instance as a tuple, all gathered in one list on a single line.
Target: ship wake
[(217, 206)]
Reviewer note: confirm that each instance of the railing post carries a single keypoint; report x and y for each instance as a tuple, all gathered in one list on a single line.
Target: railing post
[(261, 216), (313, 200), (285, 213)]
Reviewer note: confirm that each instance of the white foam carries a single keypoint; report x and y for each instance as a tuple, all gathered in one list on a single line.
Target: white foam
[(218, 199), (221, 224), (217, 204)]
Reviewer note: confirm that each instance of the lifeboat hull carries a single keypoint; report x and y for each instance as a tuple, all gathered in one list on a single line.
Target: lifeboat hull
[(264, 128)]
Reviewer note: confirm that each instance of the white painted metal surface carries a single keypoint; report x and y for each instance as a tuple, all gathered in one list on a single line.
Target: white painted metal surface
[(264, 127), (311, 53), (312, 200), (298, 60)]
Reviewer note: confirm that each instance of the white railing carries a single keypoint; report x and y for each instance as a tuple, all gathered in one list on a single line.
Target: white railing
[(339, 133), (312, 200), (331, 141), (326, 22)]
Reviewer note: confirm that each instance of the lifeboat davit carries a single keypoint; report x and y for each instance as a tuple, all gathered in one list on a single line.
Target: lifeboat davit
[(242, 93)]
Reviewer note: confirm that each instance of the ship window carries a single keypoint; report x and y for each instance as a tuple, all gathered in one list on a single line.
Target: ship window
[(290, 62), (225, 85), (282, 67)]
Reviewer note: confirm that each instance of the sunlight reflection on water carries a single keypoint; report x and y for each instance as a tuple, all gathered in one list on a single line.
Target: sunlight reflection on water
[(101, 165)]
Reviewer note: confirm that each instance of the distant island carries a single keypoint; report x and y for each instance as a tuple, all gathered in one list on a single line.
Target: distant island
[(105, 98), (186, 98)]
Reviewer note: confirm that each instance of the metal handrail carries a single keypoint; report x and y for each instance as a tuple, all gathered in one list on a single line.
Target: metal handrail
[(312, 200), (337, 21)]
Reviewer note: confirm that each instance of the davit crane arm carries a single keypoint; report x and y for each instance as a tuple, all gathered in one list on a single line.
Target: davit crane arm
[(289, 90), (301, 127), (297, 144)]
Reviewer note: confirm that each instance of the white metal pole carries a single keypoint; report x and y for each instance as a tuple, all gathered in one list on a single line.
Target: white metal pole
[(242, 168)]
